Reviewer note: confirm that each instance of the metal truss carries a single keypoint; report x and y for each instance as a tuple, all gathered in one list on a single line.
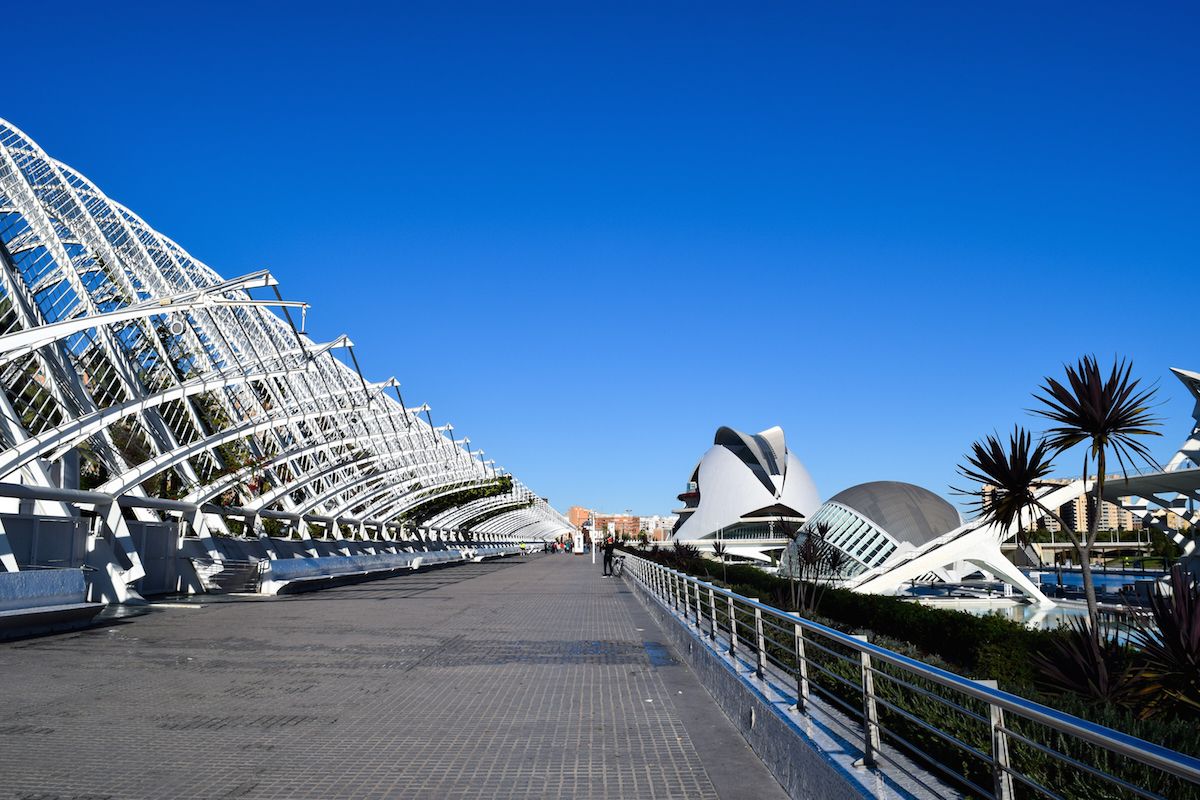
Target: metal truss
[(181, 393)]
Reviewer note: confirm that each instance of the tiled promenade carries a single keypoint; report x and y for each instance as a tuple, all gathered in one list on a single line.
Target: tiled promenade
[(505, 680)]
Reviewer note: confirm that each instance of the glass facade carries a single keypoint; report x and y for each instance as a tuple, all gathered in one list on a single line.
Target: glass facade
[(865, 544)]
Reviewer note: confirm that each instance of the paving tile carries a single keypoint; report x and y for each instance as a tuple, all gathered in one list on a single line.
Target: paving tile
[(519, 679)]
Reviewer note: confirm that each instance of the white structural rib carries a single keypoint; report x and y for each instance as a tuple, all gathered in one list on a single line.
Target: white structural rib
[(167, 380)]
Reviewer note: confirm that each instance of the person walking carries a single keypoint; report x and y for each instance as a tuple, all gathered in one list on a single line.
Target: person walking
[(609, 544)]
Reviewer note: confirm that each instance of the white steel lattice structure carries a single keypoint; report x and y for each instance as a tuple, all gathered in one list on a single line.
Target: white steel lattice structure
[(163, 379)]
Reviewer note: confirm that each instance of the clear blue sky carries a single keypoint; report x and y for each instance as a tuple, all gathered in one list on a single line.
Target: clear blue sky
[(590, 236)]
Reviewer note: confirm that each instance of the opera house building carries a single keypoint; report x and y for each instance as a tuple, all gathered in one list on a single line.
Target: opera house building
[(740, 491)]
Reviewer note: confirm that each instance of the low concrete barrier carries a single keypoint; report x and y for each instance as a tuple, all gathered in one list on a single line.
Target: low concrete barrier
[(297, 573), (37, 600), (497, 551)]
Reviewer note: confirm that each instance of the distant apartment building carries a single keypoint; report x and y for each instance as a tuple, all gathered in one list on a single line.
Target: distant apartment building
[(577, 515), (1127, 516), (658, 528), (623, 526)]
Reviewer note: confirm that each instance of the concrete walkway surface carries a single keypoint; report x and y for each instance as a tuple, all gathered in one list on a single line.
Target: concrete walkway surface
[(525, 678)]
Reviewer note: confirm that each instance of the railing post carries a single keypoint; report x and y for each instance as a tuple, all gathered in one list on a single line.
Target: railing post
[(760, 647), (1002, 779), (712, 607), (870, 711), (732, 629), (674, 591), (699, 603), (801, 671)]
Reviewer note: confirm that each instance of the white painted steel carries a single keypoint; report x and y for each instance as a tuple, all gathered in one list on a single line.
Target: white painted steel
[(169, 378)]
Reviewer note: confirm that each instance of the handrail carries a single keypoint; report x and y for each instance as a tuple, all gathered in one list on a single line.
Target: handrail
[(653, 577)]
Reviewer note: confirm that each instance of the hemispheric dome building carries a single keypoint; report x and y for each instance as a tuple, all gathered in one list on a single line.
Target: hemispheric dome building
[(873, 522), (743, 486)]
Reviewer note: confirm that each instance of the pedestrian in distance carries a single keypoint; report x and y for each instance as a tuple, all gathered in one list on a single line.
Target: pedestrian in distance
[(609, 544)]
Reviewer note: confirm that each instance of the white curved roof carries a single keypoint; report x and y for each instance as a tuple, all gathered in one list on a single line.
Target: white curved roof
[(746, 473), (908, 513)]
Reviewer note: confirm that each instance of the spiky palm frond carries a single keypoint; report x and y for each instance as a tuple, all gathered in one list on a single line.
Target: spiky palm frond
[(1104, 412), (1089, 663), (1170, 647), (1009, 477)]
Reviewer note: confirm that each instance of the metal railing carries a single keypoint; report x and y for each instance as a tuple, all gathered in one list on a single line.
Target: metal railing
[(229, 575), (911, 718)]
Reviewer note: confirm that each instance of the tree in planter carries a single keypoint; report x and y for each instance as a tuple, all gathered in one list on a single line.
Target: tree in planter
[(1106, 414)]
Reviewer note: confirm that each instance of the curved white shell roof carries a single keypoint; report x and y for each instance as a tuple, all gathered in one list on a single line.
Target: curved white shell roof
[(731, 482)]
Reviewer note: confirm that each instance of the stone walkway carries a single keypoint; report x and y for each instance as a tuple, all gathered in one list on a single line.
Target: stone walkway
[(515, 679)]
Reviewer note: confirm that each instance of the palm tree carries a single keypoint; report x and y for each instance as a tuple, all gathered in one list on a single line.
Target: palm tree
[(1009, 477), (1103, 413), (1107, 415), (719, 550)]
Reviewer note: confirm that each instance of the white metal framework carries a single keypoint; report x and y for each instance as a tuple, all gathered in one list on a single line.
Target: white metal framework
[(123, 354)]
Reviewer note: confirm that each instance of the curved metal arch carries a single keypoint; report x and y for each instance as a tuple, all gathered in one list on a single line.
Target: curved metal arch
[(151, 467), (504, 521), (511, 532), (301, 481), (116, 274), (61, 438), (457, 516), (455, 481)]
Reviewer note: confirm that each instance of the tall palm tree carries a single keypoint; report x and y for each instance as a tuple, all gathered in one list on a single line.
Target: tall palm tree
[(1012, 482), (1108, 415)]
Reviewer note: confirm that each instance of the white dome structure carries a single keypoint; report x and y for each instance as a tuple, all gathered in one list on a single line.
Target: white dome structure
[(873, 522), (742, 487)]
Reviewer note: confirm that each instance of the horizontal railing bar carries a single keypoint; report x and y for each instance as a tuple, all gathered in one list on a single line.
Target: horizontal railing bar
[(926, 759), (1032, 784), (954, 740), (1074, 762), (932, 696)]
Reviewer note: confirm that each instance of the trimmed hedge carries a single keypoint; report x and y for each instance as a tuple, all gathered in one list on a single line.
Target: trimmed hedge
[(987, 647)]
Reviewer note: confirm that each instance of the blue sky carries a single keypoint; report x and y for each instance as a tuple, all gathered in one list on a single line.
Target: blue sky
[(590, 235)]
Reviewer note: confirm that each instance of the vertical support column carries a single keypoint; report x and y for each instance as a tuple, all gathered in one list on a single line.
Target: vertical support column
[(114, 521), (801, 671), (732, 628), (7, 560), (712, 609), (199, 526), (760, 645), (870, 710), (1002, 779)]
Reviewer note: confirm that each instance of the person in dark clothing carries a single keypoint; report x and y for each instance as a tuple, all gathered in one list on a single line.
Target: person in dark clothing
[(609, 544)]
